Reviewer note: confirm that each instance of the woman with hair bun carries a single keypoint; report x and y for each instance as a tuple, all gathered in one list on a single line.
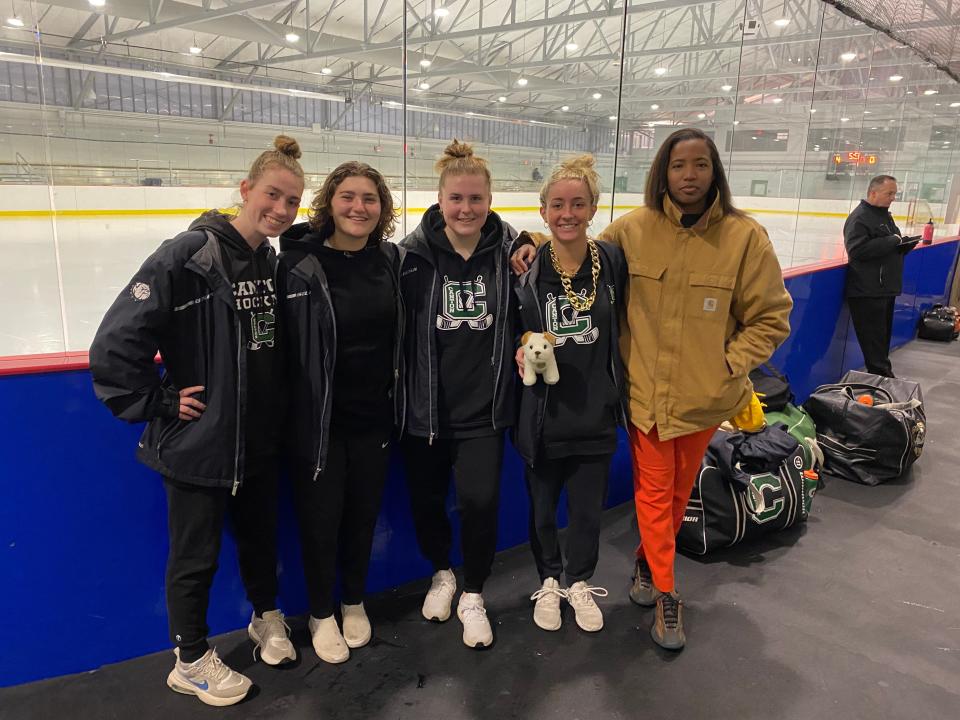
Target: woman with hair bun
[(459, 349), (340, 297), (206, 301), (566, 433)]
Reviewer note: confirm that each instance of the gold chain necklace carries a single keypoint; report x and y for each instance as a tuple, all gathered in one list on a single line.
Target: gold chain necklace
[(578, 303)]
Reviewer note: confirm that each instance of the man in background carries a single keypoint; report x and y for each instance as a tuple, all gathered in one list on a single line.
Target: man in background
[(875, 251)]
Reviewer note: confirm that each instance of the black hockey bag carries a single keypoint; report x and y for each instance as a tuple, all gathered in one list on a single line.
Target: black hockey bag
[(750, 484), (871, 429)]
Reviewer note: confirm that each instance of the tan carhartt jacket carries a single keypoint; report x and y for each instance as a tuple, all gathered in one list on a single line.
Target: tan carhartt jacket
[(706, 305)]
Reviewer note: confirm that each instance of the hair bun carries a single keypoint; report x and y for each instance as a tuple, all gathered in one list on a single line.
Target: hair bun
[(583, 163), (458, 149), (288, 146)]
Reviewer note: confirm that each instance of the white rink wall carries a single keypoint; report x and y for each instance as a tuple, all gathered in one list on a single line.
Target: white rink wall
[(65, 262)]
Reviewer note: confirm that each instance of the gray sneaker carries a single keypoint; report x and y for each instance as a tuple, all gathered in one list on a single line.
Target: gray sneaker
[(209, 679), (642, 592), (272, 637), (667, 628)]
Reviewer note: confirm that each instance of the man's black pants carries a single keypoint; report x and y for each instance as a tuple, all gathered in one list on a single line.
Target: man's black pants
[(873, 323)]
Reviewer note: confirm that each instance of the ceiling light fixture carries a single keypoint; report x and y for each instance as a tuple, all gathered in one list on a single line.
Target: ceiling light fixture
[(441, 12), (522, 82), (654, 107), (930, 92), (564, 108), (726, 88), (777, 101), (896, 78), (502, 98), (612, 118), (781, 22), (195, 49), (15, 21), (98, 3), (326, 70), (292, 37), (597, 96), (423, 86), (572, 47), (425, 63), (660, 71), (844, 119), (848, 56)]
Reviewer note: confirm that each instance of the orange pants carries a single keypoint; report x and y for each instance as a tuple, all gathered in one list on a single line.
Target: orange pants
[(663, 475)]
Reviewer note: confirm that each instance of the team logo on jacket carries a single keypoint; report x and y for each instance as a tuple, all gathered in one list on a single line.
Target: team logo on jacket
[(140, 291), (566, 323), (263, 330), (464, 302)]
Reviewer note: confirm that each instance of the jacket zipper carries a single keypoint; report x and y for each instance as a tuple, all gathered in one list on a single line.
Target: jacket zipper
[(326, 387), (240, 380), (430, 332), (502, 314)]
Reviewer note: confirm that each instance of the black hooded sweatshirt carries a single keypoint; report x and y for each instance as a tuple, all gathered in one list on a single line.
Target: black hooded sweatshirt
[(254, 290), (465, 327)]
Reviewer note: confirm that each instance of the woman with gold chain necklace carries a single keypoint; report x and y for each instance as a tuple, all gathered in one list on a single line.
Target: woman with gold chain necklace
[(567, 432)]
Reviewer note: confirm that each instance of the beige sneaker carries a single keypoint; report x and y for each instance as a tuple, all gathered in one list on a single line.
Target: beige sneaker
[(477, 632), (272, 637), (588, 615), (328, 643), (356, 625), (546, 611), (213, 682), (436, 605)]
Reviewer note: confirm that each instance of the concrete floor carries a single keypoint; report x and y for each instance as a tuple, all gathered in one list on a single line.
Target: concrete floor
[(855, 615)]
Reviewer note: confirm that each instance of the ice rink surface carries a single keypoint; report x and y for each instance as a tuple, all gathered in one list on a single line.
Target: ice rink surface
[(98, 255)]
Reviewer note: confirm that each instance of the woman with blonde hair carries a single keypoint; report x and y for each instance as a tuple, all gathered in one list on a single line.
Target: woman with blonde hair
[(340, 298), (566, 432), (459, 349), (706, 304), (206, 301)]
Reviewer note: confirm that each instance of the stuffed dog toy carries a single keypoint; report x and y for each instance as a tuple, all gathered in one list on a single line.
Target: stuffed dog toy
[(538, 358)]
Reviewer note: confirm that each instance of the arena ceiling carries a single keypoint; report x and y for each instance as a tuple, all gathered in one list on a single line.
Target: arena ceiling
[(542, 60)]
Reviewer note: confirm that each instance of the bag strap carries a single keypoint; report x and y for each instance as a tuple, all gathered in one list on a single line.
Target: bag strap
[(775, 373)]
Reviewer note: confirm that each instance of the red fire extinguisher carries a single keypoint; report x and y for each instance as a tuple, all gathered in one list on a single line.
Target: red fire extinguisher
[(928, 233)]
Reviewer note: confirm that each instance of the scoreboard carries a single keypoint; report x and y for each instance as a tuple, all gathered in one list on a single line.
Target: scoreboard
[(851, 162)]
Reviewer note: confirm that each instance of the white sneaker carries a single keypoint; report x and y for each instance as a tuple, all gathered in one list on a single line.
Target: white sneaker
[(546, 612), (476, 628), (209, 679), (436, 605), (580, 596), (356, 625), (328, 643), (272, 637)]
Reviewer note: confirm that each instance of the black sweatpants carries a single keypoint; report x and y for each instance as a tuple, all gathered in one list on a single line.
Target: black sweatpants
[(586, 478), (476, 465), (195, 518), (873, 322), (337, 514)]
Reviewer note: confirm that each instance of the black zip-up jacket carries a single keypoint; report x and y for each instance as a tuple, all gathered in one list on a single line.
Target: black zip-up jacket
[(181, 303), (874, 252), (528, 432), (306, 305), (421, 284)]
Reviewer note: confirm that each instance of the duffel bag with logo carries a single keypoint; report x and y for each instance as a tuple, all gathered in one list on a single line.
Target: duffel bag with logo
[(749, 485), (938, 323), (871, 429), (800, 425)]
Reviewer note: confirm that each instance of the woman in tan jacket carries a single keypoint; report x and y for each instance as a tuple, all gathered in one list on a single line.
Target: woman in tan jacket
[(706, 304)]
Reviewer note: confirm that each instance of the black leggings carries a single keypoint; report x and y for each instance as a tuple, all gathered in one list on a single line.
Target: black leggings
[(337, 514), (476, 465), (586, 479), (195, 517)]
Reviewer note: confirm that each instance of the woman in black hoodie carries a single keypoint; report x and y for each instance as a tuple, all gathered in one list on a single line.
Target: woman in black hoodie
[(206, 300), (340, 298), (567, 432), (459, 348)]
